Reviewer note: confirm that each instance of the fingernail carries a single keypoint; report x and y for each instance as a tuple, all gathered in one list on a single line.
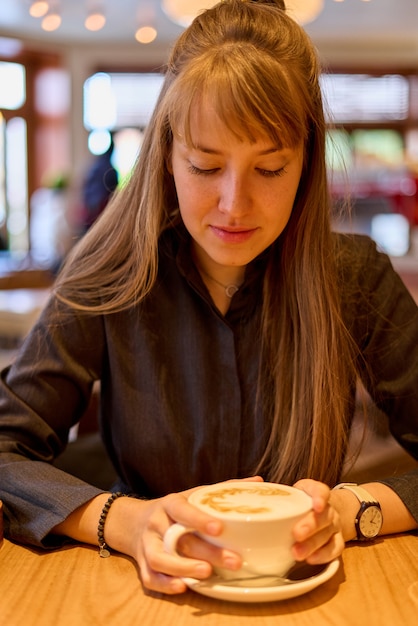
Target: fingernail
[(231, 561), (177, 586), (213, 528), (299, 552), (300, 532), (202, 570)]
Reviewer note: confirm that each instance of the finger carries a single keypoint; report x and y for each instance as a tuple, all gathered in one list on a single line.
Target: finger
[(178, 509), (316, 531), (172, 564), (304, 549), (312, 523), (329, 551), (318, 491), (156, 581), (192, 546)]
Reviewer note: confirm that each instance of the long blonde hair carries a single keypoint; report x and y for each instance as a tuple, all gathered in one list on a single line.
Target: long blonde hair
[(261, 73)]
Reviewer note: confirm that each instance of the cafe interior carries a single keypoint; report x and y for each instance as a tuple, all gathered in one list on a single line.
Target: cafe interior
[(77, 76)]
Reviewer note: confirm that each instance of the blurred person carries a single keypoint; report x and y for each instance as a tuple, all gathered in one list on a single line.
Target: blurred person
[(101, 181)]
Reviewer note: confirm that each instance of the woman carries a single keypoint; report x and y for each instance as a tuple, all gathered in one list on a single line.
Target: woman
[(227, 325)]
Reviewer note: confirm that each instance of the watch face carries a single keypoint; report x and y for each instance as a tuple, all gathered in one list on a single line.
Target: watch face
[(370, 521)]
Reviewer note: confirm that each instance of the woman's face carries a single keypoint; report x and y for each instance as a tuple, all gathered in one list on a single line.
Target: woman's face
[(235, 196)]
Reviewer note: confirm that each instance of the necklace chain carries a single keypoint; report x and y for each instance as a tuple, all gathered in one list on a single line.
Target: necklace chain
[(230, 289)]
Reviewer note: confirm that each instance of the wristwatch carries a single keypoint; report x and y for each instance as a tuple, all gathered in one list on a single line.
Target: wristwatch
[(369, 518)]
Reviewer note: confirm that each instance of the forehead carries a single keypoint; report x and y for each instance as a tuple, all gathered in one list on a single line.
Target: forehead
[(208, 124)]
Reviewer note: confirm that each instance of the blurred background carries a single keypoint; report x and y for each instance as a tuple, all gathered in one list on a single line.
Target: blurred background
[(79, 79)]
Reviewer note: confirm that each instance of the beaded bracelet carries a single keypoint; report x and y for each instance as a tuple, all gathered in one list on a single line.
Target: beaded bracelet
[(103, 549)]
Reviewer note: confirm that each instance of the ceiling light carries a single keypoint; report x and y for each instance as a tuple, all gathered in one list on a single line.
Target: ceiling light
[(95, 21), (304, 11), (145, 34), (96, 18), (183, 12), (38, 8), (52, 19), (146, 31)]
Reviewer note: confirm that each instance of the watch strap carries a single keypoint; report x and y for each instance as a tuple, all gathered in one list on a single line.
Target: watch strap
[(362, 494)]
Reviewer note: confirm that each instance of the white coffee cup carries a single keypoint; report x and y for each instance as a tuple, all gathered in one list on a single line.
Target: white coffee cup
[(257, 518)]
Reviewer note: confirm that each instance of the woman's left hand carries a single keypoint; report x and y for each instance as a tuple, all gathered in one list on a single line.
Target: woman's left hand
[(318, 536)]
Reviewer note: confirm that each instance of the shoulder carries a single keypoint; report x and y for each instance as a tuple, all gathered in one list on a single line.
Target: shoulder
[(360, 262), (366, 276), (353, 247), (368, 284)]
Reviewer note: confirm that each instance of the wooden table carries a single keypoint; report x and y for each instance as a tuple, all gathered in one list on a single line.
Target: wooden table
[(376, 585)]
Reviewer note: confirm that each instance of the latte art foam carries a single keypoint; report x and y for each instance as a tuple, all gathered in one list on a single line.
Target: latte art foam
[(263, 500)]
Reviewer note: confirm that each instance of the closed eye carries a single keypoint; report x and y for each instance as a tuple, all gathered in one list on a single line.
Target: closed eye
[(272, 173), (197, 170), (267, 173)]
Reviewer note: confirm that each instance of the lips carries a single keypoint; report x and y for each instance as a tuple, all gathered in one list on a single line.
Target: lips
[(233, 235)]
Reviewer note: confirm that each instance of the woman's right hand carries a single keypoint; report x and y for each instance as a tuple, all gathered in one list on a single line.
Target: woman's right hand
[(137, 527), (161, 571)]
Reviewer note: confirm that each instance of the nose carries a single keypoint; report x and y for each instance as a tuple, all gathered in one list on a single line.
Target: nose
[(234, 195)]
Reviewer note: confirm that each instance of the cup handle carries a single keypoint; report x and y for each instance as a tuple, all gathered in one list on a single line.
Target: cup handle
[(173, 534)]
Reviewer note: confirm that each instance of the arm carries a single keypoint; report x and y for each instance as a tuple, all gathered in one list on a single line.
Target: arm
[(396, 516), (383, 320), (42, 395), (321, 535), (136, 528)]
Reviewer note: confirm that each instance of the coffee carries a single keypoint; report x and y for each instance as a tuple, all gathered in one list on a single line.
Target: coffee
[(257, 518), (263, 501)]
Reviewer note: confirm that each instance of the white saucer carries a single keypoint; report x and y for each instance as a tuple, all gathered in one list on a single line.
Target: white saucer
[(244, 593)]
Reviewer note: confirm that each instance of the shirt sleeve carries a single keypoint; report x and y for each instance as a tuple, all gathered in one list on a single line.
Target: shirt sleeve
[(385, 325), (406, 487), (42, 394)]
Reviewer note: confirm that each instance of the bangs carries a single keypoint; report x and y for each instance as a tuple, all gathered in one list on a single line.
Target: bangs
[(251, 99)]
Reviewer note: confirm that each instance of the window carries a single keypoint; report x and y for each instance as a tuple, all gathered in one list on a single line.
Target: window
[(13, 158), (372, 153), (16, 192), (121, 103), (12, 75), (120, 100), (365, 98), (33, 112)]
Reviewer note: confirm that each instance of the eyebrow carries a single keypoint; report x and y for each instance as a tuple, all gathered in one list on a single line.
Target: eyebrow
[(208, 150)]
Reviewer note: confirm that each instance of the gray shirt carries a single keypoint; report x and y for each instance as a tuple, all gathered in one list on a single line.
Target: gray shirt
[(177, 386)]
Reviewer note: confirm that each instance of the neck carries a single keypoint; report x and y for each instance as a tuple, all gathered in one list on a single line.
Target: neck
[(230, 289), (221, 281)]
